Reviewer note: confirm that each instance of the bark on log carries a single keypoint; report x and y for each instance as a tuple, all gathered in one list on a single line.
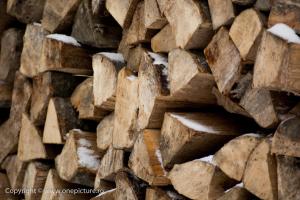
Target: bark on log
[(105, 130), (222, 13), (164, 41)]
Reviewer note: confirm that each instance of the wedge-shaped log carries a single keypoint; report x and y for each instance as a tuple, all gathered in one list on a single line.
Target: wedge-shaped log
[(260, 176), (32, 48), (5, 94), (97, 29), (238, 149), (134, 57), (27, 11), (155, 193), (208, 181), (288, 177), (79, 159), (224, 60), (280, 73), (58, 15), (190, 22), (46, 86), (237, 193), (153, 16), (105, 130), (61, 118), (146, 161), (246, 32), (11, 48), (106, 67), (163, 41), (126, 110), (107, 195), (186, 136), (222, 13), (4, 184)]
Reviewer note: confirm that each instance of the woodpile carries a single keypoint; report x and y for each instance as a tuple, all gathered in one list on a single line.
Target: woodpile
[(150, 99)]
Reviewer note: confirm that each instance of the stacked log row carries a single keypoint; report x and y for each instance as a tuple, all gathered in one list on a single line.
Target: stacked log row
[(150, 99)]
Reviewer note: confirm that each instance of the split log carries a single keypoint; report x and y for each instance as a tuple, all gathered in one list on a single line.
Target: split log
[(263, 5), (146, 161), (243, 2), (134, 57), (190, 22), (103, 185), (95, 29), (63, 53), (186, 136), (126, 110), (280, 73), (222, 13), (238, 149), (32, 48), (5, 95), (11, 48), (35, 179), (27, 11), (46, 86), (79, 159), (287, 12), (246, 32), (108, 195), (208, 181), (288, 177), (83, 100), (237, 193), (122, 11), (6, 19), (61, 118), (58, 15), (224, 60), (163, 41), (4, 185), (105, 131), (260, 176), (106, 67), (153, 16)]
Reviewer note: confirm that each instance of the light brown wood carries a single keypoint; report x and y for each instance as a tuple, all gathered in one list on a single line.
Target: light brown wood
[(146, 161), (222, 13), (105, 130), (153, 16), (237, 193), (134, 58), (260, 176), (108, 195), (163, 41), (4, 184)]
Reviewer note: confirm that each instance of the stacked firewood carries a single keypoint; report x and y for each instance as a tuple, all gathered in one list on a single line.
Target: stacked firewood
[(150, 99)]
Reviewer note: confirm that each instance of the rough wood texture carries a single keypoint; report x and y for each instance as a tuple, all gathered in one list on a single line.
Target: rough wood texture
[(260, 177), (105, 130), (190, 22), (239, 149), (146, 161), (95, 29), (79, 159), (237, 193), (224, 60), (103, 185), (134, 58), (4, 184), (153, 16), (163, 41), (222, 12), (264, 5)]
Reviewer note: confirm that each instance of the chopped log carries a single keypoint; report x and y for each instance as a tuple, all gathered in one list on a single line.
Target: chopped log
[(6, 19), (163, 41), (47, 85), (155, 193), (287, 12), (146, 161), (103, 185), (122, 11), (134, 58), (106, 67), (79, 159), (63, 53), (224, 60), (105, 131), (27, 11), (286, 141), (153, 16), (246, 32), (208, 181), (190, 22), (222, 13), (95, 29), (11, 48), (111, 163), (186, 136), (83, 100), (15, 169), (108, 195), (288, 177), (4, 185), (5, 95), (280, 73), (260, 176), (188, 75), (32, 48), (58, 15), (35, 179), (243, 2), (238, 149), (237, 193), (263, 5), (126, 110)]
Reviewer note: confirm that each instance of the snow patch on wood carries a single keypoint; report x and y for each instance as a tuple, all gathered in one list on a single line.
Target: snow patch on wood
[(285, 32), (64, 38), (208, 159), (88, 158), (159, 157), (84, 142), (158, 59), (117, 57), (131, 77)]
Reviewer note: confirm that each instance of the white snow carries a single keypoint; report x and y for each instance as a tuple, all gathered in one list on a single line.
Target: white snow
[(64, 38), (84, 142), (208, 159), (131, 77), (195, 125), (253, 135), (159, 157), (241, 185), (285, 32), (158, 59), (113, 56), (88, 158), (37, 24)]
